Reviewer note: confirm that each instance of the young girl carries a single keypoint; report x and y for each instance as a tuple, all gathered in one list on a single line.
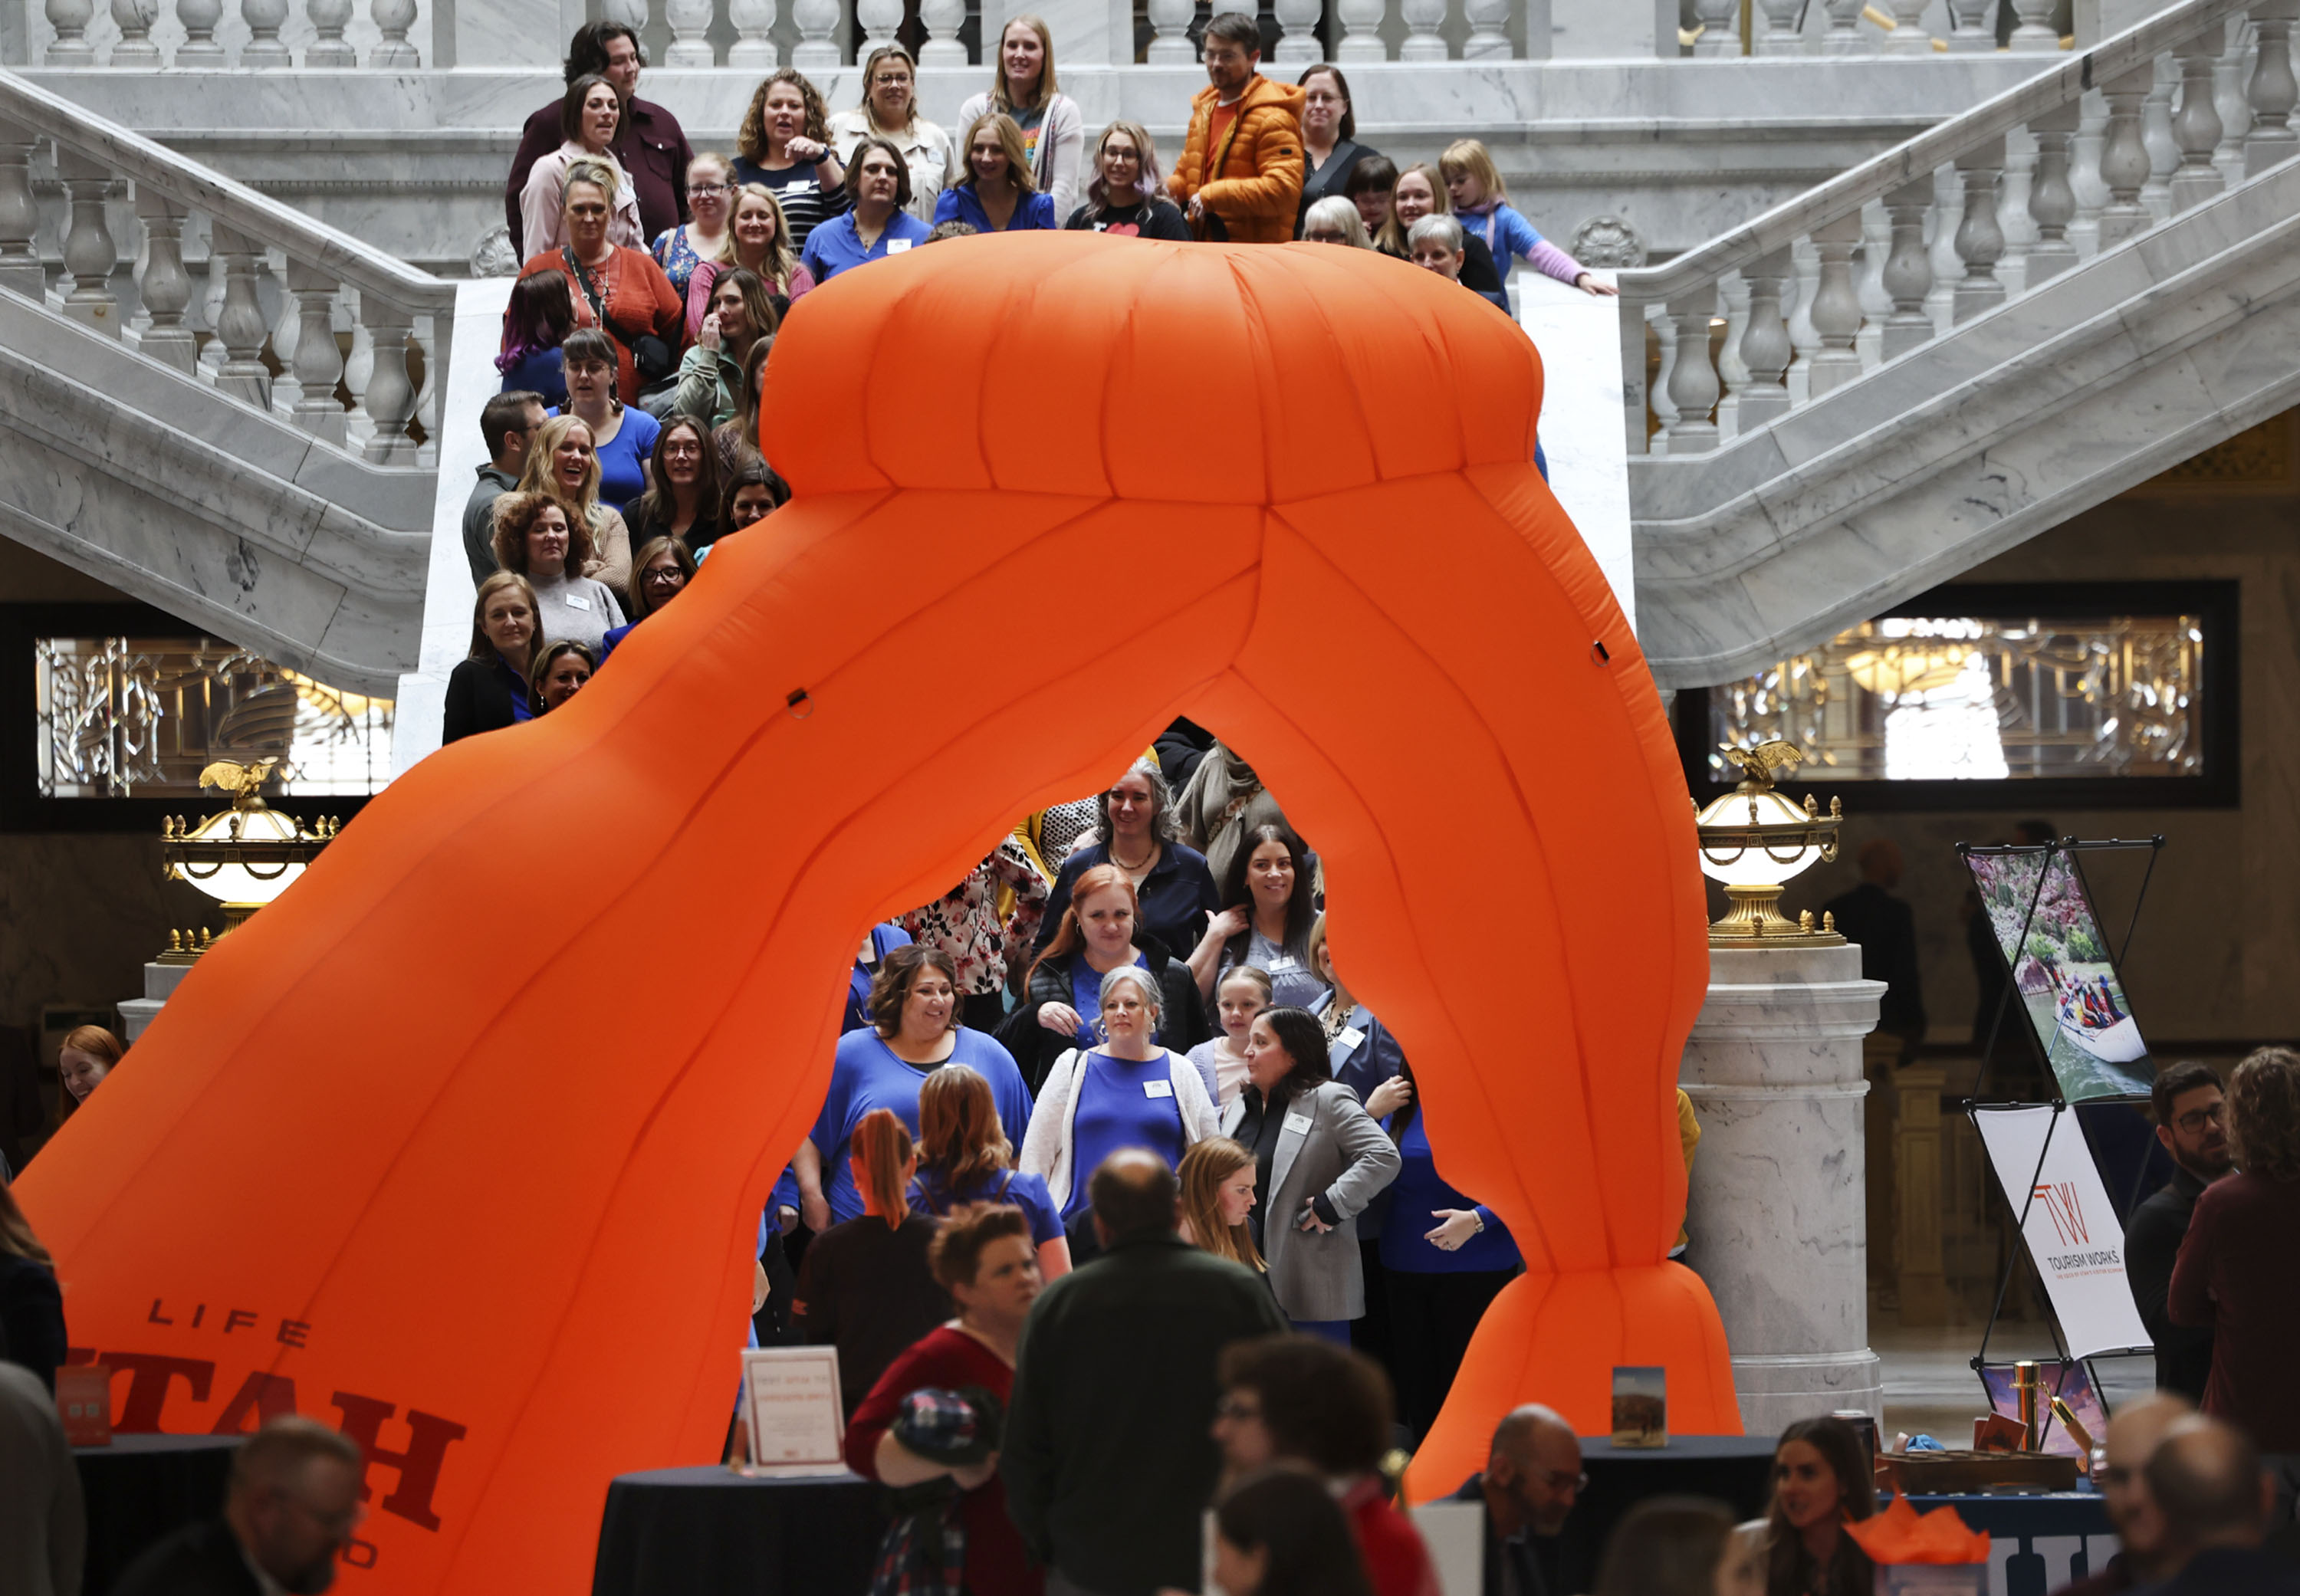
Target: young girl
[(1243, 993), (1482, 204)]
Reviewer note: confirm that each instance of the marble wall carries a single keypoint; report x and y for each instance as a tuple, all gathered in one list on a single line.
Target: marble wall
[(2220, 935)]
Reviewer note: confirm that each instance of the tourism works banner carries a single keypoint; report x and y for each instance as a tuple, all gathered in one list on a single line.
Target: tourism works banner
[(2072, 1232)]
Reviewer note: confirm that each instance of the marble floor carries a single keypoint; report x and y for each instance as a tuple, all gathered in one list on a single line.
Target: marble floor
[(1930, 1387)]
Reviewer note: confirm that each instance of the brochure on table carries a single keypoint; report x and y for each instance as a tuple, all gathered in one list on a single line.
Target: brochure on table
[(2072, 1231), (790, 1396)]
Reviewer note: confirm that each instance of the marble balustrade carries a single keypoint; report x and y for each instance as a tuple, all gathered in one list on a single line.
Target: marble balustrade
[(228, 285), (2005, 196)]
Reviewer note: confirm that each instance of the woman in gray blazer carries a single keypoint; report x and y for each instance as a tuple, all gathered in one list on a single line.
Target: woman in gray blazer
[(1318, 1161)]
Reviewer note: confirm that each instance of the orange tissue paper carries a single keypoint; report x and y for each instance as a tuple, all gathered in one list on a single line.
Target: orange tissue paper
[(1899, 1535)]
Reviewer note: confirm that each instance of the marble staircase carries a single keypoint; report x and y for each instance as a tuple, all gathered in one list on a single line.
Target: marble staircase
[(1902, 373), (183, 439)]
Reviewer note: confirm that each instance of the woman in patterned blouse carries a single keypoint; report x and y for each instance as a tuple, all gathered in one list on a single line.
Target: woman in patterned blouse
[(997, 906)]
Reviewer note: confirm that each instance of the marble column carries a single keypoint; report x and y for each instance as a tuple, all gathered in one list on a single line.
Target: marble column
[(160, 983), (1779, 1224), (1607, 30)]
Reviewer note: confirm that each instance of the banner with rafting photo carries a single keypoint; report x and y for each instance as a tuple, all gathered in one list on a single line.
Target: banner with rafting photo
[(2059, 962)]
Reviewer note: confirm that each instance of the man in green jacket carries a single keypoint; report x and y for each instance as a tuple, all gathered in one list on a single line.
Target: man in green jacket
[(1109, 1457)]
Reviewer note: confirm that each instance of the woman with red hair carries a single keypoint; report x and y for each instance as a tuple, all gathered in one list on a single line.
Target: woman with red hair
[(1100, 930)]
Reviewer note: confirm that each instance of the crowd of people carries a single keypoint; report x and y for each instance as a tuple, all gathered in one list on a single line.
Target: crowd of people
[(657, 276)]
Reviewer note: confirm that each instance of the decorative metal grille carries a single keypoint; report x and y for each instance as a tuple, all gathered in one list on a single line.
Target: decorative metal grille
[(1911, 698), (141, 717)]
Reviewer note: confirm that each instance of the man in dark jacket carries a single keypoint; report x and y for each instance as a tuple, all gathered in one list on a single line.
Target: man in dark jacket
[(648, 141), (508, 422), (1532, 1478), (2206, 1482), (1885, 928), (291, 1508), (2192, 1125), (1109, 1457)]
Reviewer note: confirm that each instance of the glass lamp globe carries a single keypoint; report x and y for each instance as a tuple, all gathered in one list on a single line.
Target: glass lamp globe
[(246, 856), (1754, 841)]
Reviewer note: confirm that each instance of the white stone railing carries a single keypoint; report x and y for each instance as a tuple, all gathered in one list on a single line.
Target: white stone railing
[(262, 322), (211, 35), (1956, 222)]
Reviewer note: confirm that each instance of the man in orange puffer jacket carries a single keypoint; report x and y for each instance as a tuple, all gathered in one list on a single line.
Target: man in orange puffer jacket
[(1242, 162)]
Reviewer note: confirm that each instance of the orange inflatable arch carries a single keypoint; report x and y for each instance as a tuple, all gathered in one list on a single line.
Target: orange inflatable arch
[(462, 1144)]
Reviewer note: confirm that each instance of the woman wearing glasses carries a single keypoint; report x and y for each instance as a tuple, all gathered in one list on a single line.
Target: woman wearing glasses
[(1136, 833), (710, 193), (890, 111), (1126, 196), (664, 569)]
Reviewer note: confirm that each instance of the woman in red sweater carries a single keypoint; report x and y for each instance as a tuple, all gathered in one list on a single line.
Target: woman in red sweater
[(983, 1256)]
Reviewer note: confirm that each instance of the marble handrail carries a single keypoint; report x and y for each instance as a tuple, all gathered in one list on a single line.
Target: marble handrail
[(1954, 221)]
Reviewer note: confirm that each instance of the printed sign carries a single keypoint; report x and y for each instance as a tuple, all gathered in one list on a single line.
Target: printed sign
[(2072, 1232), (790, 1394), (2061, 970)]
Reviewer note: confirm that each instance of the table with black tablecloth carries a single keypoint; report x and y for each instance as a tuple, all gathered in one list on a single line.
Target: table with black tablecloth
[(1736, 1470), (699, 1532), (142, 1487)]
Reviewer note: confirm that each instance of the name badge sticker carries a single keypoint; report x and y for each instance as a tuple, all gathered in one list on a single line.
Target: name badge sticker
[(1157, 1088), (895, 246), (576, 601), (1298, 1122), (1352, 1036)]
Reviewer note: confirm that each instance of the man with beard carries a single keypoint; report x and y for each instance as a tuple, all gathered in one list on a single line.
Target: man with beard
[(292, 1505), (2144, 1550), (1532, 1478), (2192, 1125)]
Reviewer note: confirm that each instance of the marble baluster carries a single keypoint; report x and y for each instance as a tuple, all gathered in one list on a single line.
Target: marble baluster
[(688, 21), (426, 398), (390, 397), (2124, 165), (20, 215), (754, 49), (1297, 37), (1948, 266), (359, 426), (941, 20), (167, 290), (2052, 199), (876, 22), (1844, 35), (1973, 26), (1836, 307), (264, 48), (394, 53), (1779, 34), (1733, 289), (1765, 349), (2013, 210), (1775, 1204), (1693, 385), (90, 252), (2196, 125), (1358, 23), (2084, 173), (1804, 336), (1869, 284), (209, 301), (1170, 24), (817, 22), (2033, 34), (1980, 240), (2156, 137), (1422, 19), (1489, 36), (318, 361), (2273, 90), (1664, 408), (70, 18), (134, 46), (240, 327), (1635, 391), (1720, 27), (1909, 37), (199, 49), (1908, 270), (328, 47), (287, 337), (2228, 101)]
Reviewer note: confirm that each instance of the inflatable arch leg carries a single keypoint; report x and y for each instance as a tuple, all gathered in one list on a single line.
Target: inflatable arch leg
[(460, 1145)]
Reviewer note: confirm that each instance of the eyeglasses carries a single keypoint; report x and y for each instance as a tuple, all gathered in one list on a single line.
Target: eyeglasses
[(668, 573), (887, 80), (711, 187), (1576, 1483), (1236, 1408), (2196, 1119), (1325, 235)]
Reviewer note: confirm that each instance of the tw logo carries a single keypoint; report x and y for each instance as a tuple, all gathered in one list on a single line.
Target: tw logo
[(2060, 1201)]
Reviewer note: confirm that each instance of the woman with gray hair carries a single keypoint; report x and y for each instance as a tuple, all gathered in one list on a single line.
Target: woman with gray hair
[(1335, 219), (1123, 1091), (1136, 832), (1126, 195)]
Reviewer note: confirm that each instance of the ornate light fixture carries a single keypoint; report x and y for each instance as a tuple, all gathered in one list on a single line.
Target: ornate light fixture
[(245, 856), (1754, 841)]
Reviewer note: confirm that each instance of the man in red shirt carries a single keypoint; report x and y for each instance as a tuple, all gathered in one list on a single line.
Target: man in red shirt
[(1301, 1398), (648, 140)]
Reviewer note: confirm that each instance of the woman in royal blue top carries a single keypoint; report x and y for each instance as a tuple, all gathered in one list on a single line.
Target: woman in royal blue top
[(1444, 1258), (877, 226), (997, 195), (914, 1031), (488, 690), (966, 1154), (1127, 1091)]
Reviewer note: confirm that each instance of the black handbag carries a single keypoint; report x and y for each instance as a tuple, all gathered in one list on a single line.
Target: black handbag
[(651, 357)]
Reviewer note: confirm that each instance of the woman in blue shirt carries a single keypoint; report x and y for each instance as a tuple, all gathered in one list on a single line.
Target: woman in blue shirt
[(997, 195), (1127, 1092), (966, 1154), (877, 226), (1444, 1258), (913, 1031)]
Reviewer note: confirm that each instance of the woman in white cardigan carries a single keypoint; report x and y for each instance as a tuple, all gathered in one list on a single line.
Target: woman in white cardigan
[(1128, 1092)]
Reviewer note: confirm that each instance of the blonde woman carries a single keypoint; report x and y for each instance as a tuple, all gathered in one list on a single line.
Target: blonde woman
[(588, 119), (1217, 1181), (711, 198), (1335, 219), (1054, 133), (890, 111), (562, 464), (1420, 192), (996, 194)]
